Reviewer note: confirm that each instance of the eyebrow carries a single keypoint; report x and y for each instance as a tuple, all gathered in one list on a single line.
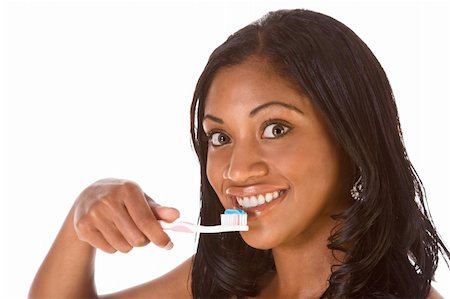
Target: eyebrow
[(213, 118), (256, 110), (274, 103)]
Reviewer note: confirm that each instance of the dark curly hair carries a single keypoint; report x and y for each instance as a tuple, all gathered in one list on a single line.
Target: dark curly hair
[(394, 244)]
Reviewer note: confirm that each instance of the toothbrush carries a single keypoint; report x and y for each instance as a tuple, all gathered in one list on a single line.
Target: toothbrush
[(232, 220)]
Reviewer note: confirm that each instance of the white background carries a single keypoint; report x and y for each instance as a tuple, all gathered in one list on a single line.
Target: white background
[(94, 89)]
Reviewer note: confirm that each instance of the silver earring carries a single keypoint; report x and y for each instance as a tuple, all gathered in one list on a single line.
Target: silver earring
[(356, 191)]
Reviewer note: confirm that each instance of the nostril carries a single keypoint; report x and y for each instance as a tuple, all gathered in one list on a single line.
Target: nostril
[(245, 170)]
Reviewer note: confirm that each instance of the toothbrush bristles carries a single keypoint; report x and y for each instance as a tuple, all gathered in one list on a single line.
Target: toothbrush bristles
[(233, 219)]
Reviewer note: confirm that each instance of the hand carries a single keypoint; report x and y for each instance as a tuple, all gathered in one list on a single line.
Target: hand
[(114, 214)]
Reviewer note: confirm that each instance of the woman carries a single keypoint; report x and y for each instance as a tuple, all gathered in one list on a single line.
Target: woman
[(293, 120)]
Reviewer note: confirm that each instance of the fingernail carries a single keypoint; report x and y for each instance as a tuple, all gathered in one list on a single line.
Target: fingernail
[(168, 246)]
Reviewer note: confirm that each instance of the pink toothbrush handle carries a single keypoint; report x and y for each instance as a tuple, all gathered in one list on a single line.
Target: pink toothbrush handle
[(182, 227), (186, 227)]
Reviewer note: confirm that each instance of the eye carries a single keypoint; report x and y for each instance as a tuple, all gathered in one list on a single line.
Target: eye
[(218, 138), (275, 130)]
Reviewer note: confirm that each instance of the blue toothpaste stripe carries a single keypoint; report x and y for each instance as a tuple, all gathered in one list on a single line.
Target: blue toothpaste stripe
[(234, 211)]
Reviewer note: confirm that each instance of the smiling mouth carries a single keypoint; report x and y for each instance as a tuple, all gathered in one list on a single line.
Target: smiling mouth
[(258, 199)]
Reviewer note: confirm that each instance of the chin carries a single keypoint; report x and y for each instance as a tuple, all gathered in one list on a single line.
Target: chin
[(257, 241)]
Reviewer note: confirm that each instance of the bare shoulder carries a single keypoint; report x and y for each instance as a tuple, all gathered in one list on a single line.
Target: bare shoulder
[(433, 294), (174, 284)]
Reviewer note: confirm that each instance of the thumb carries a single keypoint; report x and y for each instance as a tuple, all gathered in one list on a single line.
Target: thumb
[(162, 213), (165, 213)]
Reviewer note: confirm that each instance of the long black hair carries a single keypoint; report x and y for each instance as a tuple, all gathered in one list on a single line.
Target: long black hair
[(390, 243)]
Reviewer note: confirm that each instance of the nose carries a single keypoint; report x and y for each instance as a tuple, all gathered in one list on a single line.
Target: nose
[(245, 163)]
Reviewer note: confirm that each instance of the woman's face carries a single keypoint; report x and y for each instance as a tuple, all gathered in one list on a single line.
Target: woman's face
[(271, 155)]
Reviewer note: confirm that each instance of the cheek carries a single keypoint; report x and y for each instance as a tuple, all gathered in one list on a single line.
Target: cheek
[(214, 171), (314, 170)]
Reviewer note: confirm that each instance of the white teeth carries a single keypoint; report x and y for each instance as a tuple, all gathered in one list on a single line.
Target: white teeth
[(257, 200), (261, 199), (253, 201), (275, 194)]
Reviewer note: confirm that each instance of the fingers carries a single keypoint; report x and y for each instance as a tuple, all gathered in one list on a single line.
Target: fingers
[(114, 238), (97, 240), (88, 233), (167, 214), (128, 228), (116, 215), (146, 222)]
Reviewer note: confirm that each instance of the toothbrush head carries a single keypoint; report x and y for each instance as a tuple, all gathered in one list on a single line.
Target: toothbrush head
[(233, 217)]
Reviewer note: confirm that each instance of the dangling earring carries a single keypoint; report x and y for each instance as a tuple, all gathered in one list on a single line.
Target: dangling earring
[(356, 191)]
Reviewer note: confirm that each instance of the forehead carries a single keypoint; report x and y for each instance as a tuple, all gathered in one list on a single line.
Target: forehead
[(248, 84)]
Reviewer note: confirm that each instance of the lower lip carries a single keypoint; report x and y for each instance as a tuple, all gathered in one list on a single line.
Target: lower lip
[(261, 210)]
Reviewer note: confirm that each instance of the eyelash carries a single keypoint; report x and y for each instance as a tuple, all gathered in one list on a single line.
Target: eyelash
[(264, 126), (210, 135), (270, 122)]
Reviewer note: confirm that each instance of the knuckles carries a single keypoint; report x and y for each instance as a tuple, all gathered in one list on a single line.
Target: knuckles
[(102, 204), (85, 227), (127, 190)]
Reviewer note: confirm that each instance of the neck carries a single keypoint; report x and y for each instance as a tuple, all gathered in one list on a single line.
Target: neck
[(304, 264)]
